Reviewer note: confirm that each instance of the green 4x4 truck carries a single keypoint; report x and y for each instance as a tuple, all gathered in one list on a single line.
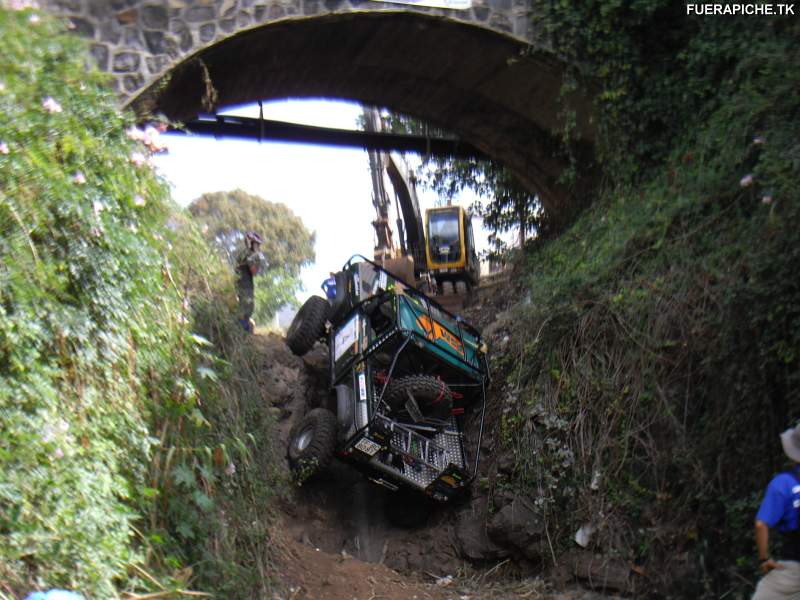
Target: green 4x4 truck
[(403, 373)]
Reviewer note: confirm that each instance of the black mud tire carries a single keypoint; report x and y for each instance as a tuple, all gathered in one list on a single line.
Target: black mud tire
[(433, 397), (312, 443), (308, 325)]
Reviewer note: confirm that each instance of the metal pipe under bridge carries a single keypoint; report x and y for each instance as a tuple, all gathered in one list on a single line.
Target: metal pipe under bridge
[(247, 128)]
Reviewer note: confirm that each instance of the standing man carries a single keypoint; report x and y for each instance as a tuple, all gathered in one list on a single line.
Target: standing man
[(248, 261), (781, 508)]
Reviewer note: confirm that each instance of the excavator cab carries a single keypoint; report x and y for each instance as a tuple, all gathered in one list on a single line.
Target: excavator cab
[(450, 245)]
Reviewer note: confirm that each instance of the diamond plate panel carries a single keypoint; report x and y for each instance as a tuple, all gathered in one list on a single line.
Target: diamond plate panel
[(432, 455)]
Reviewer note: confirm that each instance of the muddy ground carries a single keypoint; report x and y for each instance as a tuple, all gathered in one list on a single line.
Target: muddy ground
[(345, 538)]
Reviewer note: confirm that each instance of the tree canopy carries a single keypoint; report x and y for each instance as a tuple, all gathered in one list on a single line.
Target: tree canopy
[(509, 206), (227, 216)]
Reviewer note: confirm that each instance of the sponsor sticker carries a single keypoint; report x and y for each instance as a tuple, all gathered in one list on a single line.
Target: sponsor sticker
[(362, 386), (345, 337), (436, 332), (367, 446)]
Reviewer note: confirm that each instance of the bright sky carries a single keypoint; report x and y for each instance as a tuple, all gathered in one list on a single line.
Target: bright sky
[(328, 188)]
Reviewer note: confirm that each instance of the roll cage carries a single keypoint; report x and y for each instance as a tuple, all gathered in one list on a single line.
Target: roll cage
[(383, 329)]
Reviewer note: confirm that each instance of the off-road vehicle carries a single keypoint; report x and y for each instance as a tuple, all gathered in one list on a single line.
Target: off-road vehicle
[(403, 372)]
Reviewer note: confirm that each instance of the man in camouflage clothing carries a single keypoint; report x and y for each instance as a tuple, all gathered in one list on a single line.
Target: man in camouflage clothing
[(248, 261)]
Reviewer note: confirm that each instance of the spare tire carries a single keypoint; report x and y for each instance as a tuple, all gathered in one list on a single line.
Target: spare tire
[(308, 325), (312, 443), (432, 395)]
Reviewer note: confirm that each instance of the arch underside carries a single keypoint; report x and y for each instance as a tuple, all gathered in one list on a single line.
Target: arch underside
[(492, 91)]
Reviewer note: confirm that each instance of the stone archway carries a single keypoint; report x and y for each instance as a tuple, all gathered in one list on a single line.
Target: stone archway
[(481, 73)]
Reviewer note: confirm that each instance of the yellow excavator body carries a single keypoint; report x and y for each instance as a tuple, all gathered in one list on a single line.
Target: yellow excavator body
[(449, 245)]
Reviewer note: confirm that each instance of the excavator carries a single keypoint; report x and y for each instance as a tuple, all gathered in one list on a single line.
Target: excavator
[(436, 253)]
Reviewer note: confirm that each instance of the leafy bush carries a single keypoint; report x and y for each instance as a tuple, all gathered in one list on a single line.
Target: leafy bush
[(125, 432), (660, 350)]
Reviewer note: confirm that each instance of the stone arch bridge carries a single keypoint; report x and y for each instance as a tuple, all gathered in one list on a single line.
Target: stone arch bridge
[(481, 68)]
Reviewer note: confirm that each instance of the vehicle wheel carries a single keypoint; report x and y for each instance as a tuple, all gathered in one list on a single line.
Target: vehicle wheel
[(312, 443), (308, 325), (432, 395)]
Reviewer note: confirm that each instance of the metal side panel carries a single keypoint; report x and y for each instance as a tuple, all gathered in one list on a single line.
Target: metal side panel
[(424, 459)]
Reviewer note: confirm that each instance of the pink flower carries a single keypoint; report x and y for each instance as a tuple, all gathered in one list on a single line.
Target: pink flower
[(79, 178), (139, 200), (152, 139), (157, 145), (59, 453), (135, 134), (230, 469), (138, 159), (766, 199), (51, 105), (4, 148), (746, 181), (21, 4)]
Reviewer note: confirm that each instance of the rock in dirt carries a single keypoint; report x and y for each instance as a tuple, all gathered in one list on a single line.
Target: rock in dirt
[(472, 539), (317, 361), (506, 463), (518, 525), (600, 573)]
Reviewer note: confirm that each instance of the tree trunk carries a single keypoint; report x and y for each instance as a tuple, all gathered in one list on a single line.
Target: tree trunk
[(522, 219)]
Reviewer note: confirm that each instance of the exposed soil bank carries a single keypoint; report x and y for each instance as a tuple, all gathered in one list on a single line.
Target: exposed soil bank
[(344, 537)]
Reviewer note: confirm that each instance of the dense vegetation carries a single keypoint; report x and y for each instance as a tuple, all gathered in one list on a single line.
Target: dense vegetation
[(650, 371), (225, 217), (660, 352), (132, 447)]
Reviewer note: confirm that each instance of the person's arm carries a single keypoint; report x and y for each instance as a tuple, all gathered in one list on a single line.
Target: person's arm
[(762, 543), (253, 261)]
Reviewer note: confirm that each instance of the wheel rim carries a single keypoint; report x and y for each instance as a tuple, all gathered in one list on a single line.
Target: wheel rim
[(304, 439)]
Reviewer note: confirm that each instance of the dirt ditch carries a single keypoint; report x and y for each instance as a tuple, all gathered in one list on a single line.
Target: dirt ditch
[(345, 538)]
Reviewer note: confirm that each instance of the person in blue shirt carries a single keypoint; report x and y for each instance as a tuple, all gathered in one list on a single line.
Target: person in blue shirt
[(780, 509), (329, 286)]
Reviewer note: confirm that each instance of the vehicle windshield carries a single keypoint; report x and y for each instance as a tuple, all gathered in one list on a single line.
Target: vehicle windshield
[(443, 235)]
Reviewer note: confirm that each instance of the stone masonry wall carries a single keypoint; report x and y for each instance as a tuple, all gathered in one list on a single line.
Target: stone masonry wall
[(138, 41)]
